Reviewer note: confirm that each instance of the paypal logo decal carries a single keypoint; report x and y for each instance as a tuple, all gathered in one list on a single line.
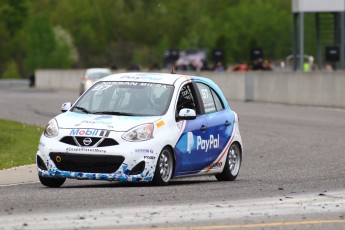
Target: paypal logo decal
[(190, 141), (203, 144)]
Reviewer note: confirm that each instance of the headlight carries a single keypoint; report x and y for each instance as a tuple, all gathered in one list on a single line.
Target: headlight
[(88, 83), (139, 133), (52, 129)]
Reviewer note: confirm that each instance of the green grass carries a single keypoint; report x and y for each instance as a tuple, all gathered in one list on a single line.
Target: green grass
[(18, 143)]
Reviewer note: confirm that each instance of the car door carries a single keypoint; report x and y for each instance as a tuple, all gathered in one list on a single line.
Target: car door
[(219, 121), (190, 151)]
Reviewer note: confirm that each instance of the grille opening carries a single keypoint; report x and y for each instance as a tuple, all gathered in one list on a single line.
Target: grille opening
[(104, 143), (86, 163), (94, 140), (139, 168), (68, 140), (108, 142), (40, 163)]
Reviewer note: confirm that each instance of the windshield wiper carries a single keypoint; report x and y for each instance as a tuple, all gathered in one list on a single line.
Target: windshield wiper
[(82, 109), (114, 113)]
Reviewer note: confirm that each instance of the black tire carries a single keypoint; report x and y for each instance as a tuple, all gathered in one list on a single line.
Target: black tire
[(164, 168), (232, 164), (52, 182)]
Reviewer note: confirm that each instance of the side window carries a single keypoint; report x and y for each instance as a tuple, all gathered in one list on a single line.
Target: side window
[(217, 101), (207, 98), (210, 99), (186, 99)]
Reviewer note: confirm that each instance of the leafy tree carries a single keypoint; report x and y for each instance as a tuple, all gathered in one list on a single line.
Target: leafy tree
[(43, 50), (86, 33), (11, 71), (4, 44), (13, 14)]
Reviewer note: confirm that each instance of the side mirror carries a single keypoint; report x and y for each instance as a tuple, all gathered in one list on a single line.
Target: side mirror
[(66, 106), (186, 114)]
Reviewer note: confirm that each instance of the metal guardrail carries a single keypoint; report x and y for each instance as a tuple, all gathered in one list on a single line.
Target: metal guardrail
[(14, 82)]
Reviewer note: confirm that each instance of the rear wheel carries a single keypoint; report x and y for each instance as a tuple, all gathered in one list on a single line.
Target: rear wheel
[(52, 182), (232, 164), (164, 168)]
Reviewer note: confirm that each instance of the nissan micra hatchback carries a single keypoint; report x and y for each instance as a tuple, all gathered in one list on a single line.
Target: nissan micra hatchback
[(149, 127)]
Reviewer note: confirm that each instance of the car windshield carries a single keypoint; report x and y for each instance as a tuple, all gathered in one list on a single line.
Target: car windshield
[(126, 99)]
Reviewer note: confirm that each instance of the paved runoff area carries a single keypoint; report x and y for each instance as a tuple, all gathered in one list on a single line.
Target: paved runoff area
[(18, 175), (292, 177)]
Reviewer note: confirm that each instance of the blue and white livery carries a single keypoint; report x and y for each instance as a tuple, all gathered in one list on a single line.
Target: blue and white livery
[(149, 127)]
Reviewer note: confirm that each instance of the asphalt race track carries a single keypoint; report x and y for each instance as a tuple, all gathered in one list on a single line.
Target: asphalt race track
[(292, 177)]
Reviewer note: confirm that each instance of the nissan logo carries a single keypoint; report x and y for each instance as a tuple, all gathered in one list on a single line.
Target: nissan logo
[(87, 141)]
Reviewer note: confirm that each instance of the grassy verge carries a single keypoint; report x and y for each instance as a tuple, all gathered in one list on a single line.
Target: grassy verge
[(18, 143)]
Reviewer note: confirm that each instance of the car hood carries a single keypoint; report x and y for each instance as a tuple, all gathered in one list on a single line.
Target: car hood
[(72, 120)]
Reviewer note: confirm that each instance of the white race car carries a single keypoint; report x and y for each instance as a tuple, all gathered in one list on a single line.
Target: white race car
[(149, 127)]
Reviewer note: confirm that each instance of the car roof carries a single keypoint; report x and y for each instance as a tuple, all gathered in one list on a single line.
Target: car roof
[(162, 78), (93, 70)]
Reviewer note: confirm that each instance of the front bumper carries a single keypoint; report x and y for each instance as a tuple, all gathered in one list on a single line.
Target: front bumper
[(119, 175), (125, 162)]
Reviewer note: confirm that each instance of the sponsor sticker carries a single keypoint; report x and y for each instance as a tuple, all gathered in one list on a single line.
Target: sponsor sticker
[(96, 122), (216, 165), (157, 85), (144, 151), (123, 83), (72, 149), (211, 143), (102, 117), (138, 77), (160, 123), (149, 157), (106, 85), (190, 142), (203, 144), (89, 132)]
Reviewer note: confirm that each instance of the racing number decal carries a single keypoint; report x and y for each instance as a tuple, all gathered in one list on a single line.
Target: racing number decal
[(204, 93)]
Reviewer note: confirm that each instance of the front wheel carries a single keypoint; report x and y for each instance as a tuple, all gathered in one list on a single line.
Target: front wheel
[(164, 168), (232, 164), (52, 182)]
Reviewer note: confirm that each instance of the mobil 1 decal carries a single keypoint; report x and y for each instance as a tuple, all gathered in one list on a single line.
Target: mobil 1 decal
[(89, 132)]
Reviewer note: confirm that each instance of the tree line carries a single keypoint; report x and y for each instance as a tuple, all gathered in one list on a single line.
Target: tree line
[(87, 33)]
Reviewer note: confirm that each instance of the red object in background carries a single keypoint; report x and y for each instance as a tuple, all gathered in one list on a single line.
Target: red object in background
[(241, 68)]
